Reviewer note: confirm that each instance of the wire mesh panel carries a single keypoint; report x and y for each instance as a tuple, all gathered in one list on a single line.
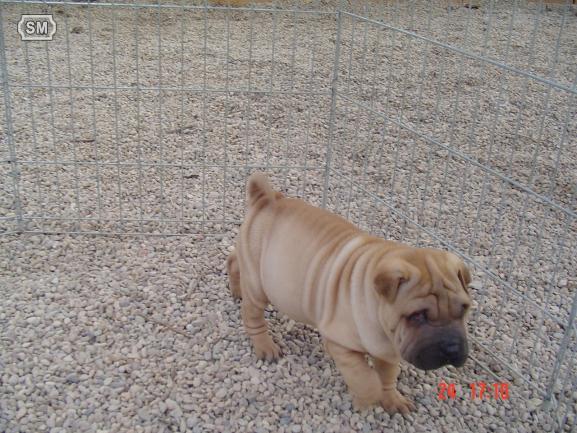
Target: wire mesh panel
[(436, 146), (138, 119)]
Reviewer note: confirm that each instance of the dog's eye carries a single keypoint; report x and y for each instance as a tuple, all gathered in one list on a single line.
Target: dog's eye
[(465, 308), (418, 317)]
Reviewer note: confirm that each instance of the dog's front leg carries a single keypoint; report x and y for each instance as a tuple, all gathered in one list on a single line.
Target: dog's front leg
[(362, 380), (391, 399)]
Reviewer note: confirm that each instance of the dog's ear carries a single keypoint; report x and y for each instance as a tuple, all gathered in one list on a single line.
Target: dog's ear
[(458, 267), (464, 277), (389, 278)]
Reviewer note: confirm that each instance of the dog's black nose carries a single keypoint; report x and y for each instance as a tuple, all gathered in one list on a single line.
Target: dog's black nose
[(455, 352), (452, 349)]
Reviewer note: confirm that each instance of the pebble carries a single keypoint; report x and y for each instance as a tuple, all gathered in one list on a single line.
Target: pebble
[(144, 414), (221, 393), (72, 378), (33, 320), (191, 421)]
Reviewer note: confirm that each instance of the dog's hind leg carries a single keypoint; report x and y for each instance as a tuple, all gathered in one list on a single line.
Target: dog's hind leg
[(234, 275), (252, 314)]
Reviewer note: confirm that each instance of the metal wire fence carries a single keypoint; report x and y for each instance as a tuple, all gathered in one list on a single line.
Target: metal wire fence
[(431, 124), (451, 159)]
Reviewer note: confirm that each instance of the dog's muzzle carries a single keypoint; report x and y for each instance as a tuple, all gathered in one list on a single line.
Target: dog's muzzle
[(447, 349)]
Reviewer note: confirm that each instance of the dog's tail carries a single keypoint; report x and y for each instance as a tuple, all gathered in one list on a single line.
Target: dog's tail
[(259, 190)]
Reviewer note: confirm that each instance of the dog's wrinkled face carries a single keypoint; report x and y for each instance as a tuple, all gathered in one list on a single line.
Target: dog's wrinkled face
[(423, 304)]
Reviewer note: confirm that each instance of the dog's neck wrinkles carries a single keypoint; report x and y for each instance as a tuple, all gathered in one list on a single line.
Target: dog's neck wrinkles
[(347, 310), (376, 340), (334, 284)]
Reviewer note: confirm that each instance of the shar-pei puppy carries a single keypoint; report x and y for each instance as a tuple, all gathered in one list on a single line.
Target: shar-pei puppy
[(364, 294)]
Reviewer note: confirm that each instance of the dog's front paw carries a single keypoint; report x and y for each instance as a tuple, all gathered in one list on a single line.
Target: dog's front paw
[(265, 348), (363, 403), (393, 402)]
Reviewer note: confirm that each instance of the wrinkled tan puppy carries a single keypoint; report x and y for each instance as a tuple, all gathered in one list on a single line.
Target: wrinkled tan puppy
[(364, 294)]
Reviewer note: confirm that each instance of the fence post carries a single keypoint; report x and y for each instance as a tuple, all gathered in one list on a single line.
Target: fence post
[(561, 355), (12, 159), (332, 117)]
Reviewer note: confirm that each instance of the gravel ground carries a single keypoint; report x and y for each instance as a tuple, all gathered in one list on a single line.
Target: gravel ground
[(112, 333), (142, 335)]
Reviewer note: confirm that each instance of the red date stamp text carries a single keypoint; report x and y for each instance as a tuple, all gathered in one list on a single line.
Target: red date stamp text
[(477, 391)]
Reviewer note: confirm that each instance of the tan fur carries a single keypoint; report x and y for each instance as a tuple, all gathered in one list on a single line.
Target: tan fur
[(234, 275), (356, 289)]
